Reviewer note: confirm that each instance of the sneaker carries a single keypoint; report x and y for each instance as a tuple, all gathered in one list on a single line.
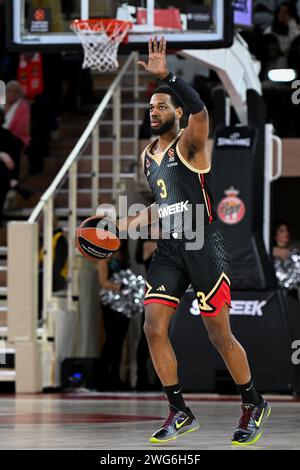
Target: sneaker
[(176, 424), (251, 424)]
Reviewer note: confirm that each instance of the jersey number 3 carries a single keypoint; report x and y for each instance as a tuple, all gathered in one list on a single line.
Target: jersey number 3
[(162, 185)]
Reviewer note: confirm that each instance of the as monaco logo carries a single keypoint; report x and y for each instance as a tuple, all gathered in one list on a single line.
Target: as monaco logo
[(231, 209)]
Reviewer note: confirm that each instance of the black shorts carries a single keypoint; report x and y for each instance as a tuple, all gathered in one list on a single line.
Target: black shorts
[(173, 268)]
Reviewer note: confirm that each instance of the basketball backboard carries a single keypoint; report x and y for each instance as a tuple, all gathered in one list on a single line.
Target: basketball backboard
[(189, 24)]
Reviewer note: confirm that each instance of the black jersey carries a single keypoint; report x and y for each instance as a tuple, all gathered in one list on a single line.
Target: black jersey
[(178, 188)]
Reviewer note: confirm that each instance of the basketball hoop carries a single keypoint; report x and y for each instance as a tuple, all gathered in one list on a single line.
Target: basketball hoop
[(100, 40)]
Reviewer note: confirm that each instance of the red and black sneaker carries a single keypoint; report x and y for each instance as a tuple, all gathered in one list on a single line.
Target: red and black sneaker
[(251, 423), (176, 424)]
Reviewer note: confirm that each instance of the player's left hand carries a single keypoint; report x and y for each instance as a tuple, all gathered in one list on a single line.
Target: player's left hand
[(157, 63)]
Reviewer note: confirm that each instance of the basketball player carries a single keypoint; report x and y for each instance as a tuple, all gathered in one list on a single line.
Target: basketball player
[(177, 166)]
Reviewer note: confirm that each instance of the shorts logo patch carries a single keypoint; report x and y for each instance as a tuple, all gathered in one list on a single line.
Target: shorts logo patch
[(203, 305), (162, 288)]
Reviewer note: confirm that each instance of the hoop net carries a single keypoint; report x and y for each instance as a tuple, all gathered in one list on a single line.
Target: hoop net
[(100, 40)]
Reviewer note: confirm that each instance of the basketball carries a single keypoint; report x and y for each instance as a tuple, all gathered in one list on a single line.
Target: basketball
[(97, 238)]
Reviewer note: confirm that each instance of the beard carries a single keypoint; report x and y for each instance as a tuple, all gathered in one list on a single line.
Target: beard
[(165, 127)]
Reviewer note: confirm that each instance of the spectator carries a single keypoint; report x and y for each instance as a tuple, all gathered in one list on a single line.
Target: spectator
[(6, 166), (10, 152), (282, 237), (285, 25), (115, 324), (17, 112), (282, 252)]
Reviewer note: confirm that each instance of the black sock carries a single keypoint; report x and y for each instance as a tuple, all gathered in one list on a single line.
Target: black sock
[(249, 394), (175, 397)]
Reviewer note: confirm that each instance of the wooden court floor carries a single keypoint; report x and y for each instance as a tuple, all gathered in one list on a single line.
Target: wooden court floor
[(88, 420)]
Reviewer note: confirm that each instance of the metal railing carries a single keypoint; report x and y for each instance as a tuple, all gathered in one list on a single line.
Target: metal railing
[(69, 169)]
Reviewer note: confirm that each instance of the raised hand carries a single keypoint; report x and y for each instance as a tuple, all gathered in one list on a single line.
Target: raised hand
[(157, 63)]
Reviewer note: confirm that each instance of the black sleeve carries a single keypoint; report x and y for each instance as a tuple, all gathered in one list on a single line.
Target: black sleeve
[(189, 97)]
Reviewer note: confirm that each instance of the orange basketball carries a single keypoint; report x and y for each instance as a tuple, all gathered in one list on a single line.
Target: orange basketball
[(97, 238)]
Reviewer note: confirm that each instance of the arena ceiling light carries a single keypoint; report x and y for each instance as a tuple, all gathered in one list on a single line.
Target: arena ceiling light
[(282, 75)]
